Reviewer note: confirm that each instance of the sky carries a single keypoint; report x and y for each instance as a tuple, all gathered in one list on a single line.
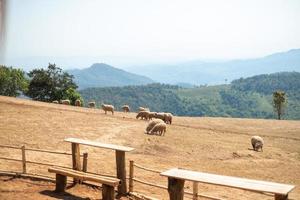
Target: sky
[(144, 31)]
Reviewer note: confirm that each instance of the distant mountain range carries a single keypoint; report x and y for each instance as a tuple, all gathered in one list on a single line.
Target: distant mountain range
[(199, 72), (103, 75)]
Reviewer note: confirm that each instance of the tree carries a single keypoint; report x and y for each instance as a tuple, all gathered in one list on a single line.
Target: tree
[(279, 102), (50, 84), (12, 81)]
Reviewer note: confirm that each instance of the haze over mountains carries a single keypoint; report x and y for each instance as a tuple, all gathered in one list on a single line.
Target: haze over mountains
[(199, 72), (185, 73)]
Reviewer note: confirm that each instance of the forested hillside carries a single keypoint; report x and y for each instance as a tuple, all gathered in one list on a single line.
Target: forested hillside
[(249, 97)]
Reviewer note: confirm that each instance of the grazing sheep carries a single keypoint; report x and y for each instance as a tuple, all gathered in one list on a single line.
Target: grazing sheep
[(161, 116), (143, 115), (168, 118), (143, 109), (126, 108), (65, 102), (257, 143), (77, 102), (152, 124), (55, 101), (107, 107), (151, 115), (159, 128), (92, 104)]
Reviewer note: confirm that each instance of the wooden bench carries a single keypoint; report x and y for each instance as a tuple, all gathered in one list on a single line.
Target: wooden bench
[(176, 178), (108, 183), (120, 158)]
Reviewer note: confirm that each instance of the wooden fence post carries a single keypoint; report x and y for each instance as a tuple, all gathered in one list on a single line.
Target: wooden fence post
[(84, 162), (195, 190), (121, 172), (131, 166), (76, 159), (23, 159), (175, 188)]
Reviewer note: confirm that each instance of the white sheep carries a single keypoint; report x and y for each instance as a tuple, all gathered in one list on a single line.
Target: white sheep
[(55, 101), (151, 124), (77, 102), (107, 107), (159, 128), (257, 143), (126, 108), (92, 104), (143, 109), (65, 102)]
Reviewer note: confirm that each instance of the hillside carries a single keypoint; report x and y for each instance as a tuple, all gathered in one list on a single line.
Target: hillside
[(103, 75), (247, 98), (214, 145), (199, 72)]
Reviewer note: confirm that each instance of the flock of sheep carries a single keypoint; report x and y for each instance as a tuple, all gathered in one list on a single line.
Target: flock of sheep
[(155, 126)]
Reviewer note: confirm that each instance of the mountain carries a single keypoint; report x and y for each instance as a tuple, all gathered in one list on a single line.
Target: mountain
[(103, 75), (201, 73), (245, 98)]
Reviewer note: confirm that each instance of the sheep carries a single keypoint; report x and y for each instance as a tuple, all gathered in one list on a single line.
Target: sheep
[(107, 107), (65, 102), (77, 102), (151, 115), (143, 115), (152, 124), (168, 118), (143, 109), (257, 143), (159, 128), (126, 108), (55, 101), (92, 104), (161, 116)]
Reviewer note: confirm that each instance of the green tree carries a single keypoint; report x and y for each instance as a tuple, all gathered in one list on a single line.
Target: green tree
[(12, 81), (279, 103), (49, 84)]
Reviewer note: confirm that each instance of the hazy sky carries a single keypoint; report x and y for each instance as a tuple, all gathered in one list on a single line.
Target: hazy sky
[(156, 30)]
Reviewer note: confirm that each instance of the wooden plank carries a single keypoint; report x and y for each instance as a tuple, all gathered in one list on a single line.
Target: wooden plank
[(121, 172), (98, 144), (131, 171), (242, 183), (84, 162), (85, 176), (195, 190), (281, 197)]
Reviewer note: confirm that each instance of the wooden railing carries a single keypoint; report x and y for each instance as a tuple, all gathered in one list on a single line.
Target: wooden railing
[(24, 161), (132, 165)]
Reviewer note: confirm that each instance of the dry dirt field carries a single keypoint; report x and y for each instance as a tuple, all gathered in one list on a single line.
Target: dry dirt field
[(214, 145)]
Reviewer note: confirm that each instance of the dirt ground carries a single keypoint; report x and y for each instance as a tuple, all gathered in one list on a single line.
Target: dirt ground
[(213, 145)]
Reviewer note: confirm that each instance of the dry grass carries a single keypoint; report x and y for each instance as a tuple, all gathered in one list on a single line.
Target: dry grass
[(215, 145)]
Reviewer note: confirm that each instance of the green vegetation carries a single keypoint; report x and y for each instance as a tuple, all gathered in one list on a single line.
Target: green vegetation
[(246, 98), (12, 81), (279, 103)]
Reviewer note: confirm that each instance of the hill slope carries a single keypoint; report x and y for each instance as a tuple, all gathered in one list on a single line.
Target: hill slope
[(250, 97), (103, 75), (214, 145)]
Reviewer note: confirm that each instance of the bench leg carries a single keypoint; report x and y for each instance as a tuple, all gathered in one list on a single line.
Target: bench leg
[(108, 192), (281, 197), (61, 183), (175, 188)]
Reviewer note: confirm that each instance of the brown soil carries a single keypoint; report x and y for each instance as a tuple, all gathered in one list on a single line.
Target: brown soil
[(214, 145)]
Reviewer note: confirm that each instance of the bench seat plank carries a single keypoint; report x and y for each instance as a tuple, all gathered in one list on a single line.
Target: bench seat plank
[(85, 176), (98, 144), (242, 183)]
